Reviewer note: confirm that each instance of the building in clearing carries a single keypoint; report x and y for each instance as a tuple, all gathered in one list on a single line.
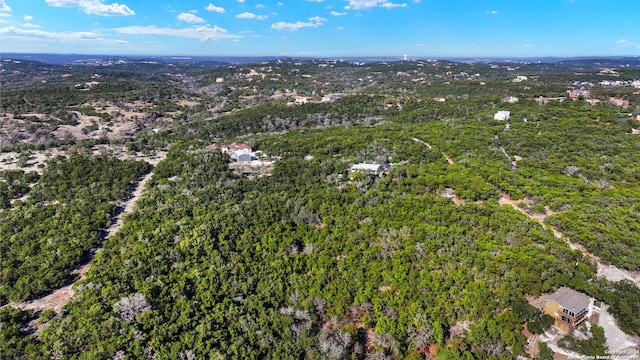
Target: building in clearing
[(237, 151), (331, 97), (568, 307), (576, 93), (299, 100), (371, 168), (520, 78), (502, 115), (510, 99)]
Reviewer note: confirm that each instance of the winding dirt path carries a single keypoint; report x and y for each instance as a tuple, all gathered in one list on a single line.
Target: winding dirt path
[(421, 142), (58, 298), (446, 156), (449, 159), (617, 341), (610, 272)]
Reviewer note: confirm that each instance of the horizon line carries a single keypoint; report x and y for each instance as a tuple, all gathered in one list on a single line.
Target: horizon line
[(401, 56)]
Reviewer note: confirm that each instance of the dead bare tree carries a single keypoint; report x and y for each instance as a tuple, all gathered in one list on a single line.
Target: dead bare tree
[(334, 345), (128, 307)]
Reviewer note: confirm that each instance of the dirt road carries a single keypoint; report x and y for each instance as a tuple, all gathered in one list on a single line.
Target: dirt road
[(58, 298), (610, 272)]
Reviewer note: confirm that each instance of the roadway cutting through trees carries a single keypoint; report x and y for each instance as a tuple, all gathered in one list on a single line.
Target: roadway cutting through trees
[(59, 297)]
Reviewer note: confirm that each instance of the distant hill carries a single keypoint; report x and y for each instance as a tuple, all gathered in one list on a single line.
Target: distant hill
[(572, 62)]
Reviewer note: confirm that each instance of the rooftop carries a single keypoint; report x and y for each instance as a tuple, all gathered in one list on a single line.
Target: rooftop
[(570, 299)]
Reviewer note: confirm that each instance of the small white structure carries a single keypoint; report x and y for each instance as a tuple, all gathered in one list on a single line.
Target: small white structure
[(372, 168), (238, 151), (502, 115), (331, 97), (510, 99), (301, 100), (448, 193)]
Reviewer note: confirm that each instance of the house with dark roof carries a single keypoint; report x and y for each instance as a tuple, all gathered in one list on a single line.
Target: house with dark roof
[(568, 307)]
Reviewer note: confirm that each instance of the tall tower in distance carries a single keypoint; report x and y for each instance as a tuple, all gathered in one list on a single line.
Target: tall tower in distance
[(405, 57)]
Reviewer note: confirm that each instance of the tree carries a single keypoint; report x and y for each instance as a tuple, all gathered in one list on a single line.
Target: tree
[(128, 307)]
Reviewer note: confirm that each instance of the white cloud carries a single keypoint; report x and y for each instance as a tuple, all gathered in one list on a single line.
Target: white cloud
[(214, 8), (63, 36), (4, 6), (528, 46), (259, 6), (248, 15), (190, 18), (200, 32), (30, 25), (366, 4), (241, 1), (392, 5), (627, 43), (340, 28), (492, 12), (314, 22), (335, 13), (280, 4), (28, 18), (94, 7)]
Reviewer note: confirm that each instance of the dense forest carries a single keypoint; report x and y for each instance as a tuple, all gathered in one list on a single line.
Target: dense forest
[(311, 259)]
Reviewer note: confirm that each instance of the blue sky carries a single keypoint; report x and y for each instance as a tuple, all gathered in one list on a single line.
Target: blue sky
[(419, 28)]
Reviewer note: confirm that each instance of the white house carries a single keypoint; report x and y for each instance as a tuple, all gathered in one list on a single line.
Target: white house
[(238, 151), (299, 100), (502, 115), (510, 99), (372, 168), (331, 97)]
